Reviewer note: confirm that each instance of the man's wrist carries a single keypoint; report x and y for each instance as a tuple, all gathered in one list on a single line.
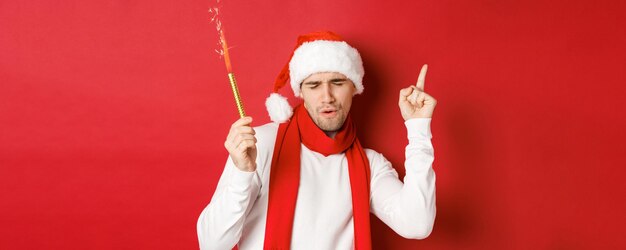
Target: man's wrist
[(241, 180), (251, 168), (418, 127)]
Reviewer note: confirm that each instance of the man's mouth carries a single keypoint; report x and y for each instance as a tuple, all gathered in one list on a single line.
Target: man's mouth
[(328, 113)]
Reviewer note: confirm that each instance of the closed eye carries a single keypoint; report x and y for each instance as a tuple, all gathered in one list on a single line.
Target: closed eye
[(338, 81), (311, 85)]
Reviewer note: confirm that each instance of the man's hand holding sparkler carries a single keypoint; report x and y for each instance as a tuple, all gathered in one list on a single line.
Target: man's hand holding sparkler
[(241, 144), (414, 102)]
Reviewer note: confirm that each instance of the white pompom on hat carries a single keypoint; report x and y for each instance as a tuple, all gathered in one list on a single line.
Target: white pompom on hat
[(315, 52)]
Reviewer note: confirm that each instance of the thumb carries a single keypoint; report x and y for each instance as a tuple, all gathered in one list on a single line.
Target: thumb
[(404, 95), (406, 91)]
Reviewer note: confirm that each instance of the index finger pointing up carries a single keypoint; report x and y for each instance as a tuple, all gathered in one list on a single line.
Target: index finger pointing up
[(422, 78)]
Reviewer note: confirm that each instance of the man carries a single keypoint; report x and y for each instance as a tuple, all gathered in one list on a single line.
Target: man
[(323, 183)]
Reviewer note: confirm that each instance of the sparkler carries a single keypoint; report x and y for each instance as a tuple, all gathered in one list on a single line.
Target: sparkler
[(224, 52)]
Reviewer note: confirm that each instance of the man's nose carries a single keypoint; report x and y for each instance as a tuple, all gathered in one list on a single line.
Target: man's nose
[(327, 93)]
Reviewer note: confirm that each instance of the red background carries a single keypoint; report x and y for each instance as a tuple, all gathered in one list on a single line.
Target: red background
[(113, 114)]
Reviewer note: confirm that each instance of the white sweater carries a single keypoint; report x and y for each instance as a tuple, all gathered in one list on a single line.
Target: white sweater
[(323, 217)]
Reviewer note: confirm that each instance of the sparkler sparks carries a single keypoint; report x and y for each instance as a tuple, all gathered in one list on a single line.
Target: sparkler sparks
[(223, 47), (225, 51)]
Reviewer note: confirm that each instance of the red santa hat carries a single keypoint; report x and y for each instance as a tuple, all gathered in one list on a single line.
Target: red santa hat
[(315, 52)]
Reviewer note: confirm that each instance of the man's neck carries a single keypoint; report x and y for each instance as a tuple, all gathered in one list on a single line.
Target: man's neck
[(330, 134)]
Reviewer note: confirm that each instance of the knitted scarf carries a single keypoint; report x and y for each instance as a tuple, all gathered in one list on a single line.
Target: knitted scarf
[(285, 177)]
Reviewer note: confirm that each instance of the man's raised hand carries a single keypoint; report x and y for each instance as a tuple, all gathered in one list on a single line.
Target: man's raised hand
[(241, 144), (414, 102)]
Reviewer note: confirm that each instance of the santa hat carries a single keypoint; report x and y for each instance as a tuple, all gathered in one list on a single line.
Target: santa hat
[(315, 52)]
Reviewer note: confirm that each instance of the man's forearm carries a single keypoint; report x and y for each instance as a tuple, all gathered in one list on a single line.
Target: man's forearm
[(220, 224), (419, 183), (409, 207)]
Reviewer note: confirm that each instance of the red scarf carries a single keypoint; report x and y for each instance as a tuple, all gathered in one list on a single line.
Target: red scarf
[(285, 177)]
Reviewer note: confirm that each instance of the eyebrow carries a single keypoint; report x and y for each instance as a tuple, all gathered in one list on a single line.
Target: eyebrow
[(320, 82), (338, 80)]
